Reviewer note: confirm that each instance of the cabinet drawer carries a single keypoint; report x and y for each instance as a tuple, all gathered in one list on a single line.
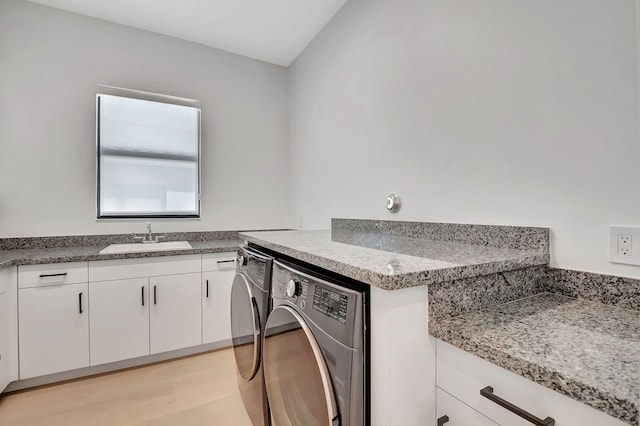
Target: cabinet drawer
[(218, 261), (463, 375), (52, 274), (458, 413), (118, 269)]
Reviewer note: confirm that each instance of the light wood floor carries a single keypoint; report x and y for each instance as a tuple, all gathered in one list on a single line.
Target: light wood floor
[(193, 391)]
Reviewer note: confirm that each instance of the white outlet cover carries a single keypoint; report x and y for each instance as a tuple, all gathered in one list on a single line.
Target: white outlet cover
[(614, 257)]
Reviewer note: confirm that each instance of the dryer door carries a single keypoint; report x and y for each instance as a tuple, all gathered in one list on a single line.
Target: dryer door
[(298, 383), (245, 327)]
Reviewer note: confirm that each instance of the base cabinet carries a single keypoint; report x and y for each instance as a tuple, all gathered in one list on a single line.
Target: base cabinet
[(82, 314), (216, 306), (4, 340), (463, 376), (216, 296), (175, 313), (8, 326), (54, 329), (119, 314)]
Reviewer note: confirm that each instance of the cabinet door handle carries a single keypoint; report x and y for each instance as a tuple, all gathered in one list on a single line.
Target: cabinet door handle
[(442, 420), (80, 302), (207, 288), (142, 295), (61, 274), (487, 392), (155, 295)]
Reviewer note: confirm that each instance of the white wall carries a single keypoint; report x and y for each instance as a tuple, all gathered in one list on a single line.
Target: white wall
[(50, 64), (497, 112), (503, 112)]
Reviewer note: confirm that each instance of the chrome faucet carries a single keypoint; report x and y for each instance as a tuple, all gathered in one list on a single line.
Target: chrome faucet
[(149, 238)]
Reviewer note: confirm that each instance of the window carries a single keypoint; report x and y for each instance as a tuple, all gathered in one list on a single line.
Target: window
[(148, 149)]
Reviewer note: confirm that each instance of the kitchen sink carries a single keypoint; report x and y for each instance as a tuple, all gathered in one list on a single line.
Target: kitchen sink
[(140, 247)]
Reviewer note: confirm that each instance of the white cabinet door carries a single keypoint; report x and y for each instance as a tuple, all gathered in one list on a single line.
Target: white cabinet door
[(4, 341), (54, 329), (175, 312), (457, 413), (8, 340), (216, 305), (9, 322), (119, 319)]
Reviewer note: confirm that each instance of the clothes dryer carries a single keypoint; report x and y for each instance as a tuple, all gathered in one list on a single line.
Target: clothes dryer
[(315, 350), (250, 303)]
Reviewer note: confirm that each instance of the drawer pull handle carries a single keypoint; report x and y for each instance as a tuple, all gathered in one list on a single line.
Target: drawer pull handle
[(442, 420), (487, 392), (80, 302), (226, 261), (61, 274)]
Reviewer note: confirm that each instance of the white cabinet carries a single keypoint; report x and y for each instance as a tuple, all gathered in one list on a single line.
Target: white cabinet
[(54, 329), (175, 314), (403, 388), (146, 306), (4, 343), (463, 375), (4, 340), (218, 271), (53, 318), (75, 315), (119, 317), (8, 327)]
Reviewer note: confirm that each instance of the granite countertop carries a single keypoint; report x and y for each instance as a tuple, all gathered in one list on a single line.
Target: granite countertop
[(33, 256), (384, 261), (586, 350)]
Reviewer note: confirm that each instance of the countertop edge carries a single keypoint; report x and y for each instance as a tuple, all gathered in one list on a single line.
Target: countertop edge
[(44, 259), (408, 279)]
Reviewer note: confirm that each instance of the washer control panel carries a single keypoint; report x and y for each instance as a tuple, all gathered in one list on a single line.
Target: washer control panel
[(331, 303)]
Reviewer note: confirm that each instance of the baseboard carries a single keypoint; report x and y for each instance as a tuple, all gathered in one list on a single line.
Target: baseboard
[(113, 366)]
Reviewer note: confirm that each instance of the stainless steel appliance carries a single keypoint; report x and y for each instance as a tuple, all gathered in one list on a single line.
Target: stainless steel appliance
[(249, 309), (315, 356)]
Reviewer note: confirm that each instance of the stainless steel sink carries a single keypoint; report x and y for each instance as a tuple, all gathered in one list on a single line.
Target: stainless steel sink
[(139, 247)]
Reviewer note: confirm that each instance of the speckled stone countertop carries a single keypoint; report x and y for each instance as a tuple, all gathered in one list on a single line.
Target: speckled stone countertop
[(586, 350), (32, 256), (384, 261)]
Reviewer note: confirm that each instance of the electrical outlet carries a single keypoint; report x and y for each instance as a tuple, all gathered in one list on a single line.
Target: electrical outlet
[(623, 244)]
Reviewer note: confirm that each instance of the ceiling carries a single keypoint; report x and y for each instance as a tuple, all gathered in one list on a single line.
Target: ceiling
[(274, 31)]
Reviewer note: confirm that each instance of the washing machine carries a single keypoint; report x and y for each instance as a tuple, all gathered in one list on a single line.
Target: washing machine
[(250, 303), (315, 350)]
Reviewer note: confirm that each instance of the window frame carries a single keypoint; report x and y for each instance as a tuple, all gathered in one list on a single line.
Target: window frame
[(154, 97)]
